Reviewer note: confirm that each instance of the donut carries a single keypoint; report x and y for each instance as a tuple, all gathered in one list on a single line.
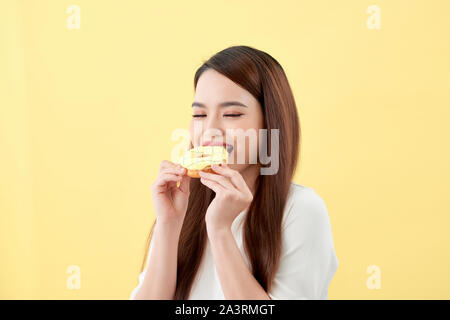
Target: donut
[(201, 158)]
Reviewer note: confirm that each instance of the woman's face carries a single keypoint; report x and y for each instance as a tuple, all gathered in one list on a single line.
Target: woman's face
[(220, 108)]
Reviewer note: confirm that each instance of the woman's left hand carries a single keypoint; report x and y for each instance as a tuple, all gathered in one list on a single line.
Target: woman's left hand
[(232, 196)]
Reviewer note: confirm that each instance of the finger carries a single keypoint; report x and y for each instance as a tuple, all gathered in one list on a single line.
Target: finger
[(216, 187), (223, 181), (184, 184), (234, 176), (176, 169), (162, 182), (168, 164)]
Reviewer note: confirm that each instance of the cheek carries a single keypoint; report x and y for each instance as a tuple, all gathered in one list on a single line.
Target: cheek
[(250, 145), (195, 133)]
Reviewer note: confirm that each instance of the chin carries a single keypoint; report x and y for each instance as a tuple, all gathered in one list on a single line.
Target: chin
[(238, 167)]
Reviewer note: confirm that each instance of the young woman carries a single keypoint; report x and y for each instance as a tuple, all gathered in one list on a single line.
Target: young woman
[(237, 233)]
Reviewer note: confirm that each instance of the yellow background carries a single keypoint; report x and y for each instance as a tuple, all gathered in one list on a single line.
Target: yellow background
[(87, 115)]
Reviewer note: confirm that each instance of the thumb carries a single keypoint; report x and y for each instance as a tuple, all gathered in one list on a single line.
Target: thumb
[(184, 183)]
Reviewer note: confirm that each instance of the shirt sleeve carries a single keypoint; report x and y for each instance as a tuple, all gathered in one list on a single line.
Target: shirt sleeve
[(142, 274), (308, 261)]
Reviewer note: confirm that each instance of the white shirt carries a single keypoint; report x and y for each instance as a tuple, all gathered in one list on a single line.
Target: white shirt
[(308, 258)]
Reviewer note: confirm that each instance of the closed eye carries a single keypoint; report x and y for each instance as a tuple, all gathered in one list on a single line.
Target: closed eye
[(225, 115)]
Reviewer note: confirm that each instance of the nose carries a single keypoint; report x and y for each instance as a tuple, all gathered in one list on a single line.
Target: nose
[(213, 127)]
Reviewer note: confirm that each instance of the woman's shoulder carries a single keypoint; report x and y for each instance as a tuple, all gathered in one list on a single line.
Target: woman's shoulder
[(306, 204), (303, 195)]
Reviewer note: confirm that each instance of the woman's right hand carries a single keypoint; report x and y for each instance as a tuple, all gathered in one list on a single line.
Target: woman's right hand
[(170, 202)]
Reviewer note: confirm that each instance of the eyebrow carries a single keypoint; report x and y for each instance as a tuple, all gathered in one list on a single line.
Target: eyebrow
[(223, 104)]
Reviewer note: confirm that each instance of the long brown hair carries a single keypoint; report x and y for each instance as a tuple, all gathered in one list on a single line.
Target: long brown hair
[(262, 76)]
